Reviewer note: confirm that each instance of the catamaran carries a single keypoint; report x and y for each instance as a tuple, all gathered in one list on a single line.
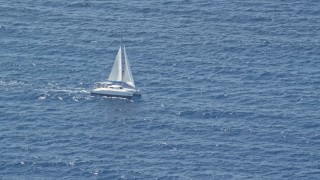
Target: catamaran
[(120, 81)]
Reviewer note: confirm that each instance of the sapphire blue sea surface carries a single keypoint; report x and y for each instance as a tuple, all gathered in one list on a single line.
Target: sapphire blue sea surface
[(230, 89)]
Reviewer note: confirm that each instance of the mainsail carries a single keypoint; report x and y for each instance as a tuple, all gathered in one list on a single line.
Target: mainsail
[(116, 72), (127, 75)]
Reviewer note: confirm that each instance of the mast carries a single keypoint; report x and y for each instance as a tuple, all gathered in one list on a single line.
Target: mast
[(121, 38), (122, 70)]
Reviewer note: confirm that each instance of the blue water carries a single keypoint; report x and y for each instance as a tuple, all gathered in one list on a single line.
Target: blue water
[(230, 90)]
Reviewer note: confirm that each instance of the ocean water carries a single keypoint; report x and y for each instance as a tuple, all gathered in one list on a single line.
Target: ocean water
[(230, 90)]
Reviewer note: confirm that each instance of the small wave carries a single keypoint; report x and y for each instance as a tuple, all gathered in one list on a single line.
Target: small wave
[(71, 91), (115, 98), (11, 83), (61, 94), (42, 97), (80, 5)]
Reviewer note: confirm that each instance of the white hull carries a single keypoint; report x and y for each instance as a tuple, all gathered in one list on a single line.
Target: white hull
[(112, 92)]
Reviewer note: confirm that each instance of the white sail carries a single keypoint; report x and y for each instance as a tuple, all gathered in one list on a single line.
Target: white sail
[(127, 75), (116, 72)]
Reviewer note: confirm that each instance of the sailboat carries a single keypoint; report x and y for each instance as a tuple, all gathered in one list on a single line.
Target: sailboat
[(120, 82)]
